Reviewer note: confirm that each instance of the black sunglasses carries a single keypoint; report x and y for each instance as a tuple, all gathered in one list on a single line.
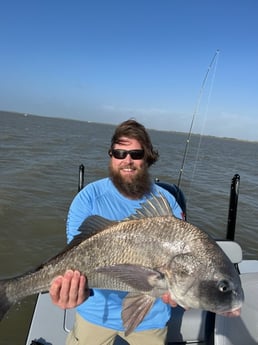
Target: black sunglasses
[(121, 154)]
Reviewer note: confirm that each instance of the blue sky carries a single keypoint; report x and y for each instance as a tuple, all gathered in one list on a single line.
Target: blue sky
[(109, 60)]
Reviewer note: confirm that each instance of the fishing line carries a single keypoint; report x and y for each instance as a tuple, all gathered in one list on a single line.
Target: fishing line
[(204, 121), (214, 59)]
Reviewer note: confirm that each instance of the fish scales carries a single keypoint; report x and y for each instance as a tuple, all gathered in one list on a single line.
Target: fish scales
[(147, 254)]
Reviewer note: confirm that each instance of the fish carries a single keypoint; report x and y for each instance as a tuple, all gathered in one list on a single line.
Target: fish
[(147, 254)]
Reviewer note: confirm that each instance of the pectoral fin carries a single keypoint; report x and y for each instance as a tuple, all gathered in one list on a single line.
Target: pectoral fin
[(138, 277), (135, 307)]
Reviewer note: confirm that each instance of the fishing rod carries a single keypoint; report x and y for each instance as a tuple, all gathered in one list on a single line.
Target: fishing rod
[(215, 57)]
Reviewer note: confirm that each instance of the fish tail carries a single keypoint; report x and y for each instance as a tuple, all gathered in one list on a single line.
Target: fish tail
[(5, 303)]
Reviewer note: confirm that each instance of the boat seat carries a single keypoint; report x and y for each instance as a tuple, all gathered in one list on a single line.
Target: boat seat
[(232, 250)]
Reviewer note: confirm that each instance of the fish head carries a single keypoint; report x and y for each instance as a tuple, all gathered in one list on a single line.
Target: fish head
[(200, 284), (221, 294)]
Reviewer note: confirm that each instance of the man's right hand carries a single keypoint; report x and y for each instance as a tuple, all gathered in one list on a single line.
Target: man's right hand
[(70, 290)]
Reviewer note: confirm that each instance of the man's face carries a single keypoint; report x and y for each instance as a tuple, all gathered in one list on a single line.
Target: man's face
[(127, 168), (130, 176)]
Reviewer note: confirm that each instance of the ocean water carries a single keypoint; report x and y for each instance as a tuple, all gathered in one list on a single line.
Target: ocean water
[(39, 161)]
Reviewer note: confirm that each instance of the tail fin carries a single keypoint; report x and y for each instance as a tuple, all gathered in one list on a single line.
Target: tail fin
[(5, 304)]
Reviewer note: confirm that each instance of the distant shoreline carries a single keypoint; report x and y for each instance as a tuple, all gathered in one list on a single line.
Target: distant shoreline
[(113, 125)]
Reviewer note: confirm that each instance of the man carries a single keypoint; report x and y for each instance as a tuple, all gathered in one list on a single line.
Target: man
[(98, 318)]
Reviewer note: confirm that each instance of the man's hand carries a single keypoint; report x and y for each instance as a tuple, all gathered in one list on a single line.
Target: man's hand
[(70, 290), (166, 298)]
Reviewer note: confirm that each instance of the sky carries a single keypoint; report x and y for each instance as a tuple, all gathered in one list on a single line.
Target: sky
[(165, 63)]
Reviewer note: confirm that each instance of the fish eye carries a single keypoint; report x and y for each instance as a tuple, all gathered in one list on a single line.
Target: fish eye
[(224, 286)]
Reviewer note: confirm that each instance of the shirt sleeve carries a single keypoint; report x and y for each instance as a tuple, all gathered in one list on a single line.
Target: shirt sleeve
[(80, 209)]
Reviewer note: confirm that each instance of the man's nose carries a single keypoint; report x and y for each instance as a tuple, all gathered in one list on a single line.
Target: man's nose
[(128, 158)]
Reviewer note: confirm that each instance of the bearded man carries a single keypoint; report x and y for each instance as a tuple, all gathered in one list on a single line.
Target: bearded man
[(98, 318)]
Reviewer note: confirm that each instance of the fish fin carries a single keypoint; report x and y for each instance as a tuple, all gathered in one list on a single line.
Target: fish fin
[(138, 277), (95, 224), (89, 227), (135, 307), (154, 207), (5, 304)]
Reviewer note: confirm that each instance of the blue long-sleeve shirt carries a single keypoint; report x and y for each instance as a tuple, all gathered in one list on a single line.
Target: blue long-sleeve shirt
[(103, 199)]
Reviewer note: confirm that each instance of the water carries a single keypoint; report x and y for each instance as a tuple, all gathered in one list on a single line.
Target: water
[(39, 176)]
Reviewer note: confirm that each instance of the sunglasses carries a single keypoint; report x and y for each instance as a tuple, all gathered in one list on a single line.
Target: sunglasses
[(121, 154)]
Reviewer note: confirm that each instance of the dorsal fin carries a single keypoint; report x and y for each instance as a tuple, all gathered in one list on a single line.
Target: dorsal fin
[(94, 224), (91, 226), (155, 207)]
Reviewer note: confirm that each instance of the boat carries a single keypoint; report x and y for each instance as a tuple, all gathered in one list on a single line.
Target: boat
[(50, 325)]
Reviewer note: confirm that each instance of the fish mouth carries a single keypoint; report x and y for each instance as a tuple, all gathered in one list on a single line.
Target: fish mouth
[(231, 313)]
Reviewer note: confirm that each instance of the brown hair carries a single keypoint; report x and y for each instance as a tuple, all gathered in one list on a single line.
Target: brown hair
[(134, 130)]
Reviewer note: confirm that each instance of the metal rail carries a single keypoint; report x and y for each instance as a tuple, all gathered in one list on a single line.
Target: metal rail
[(232, 211)]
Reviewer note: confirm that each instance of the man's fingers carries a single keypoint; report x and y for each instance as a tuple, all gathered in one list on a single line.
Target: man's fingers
[(83, 292), (55, 289), (69, 291), (71, 286), (167, 299)]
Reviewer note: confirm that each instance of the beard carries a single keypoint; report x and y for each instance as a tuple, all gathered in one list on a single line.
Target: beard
[(135, 187)]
